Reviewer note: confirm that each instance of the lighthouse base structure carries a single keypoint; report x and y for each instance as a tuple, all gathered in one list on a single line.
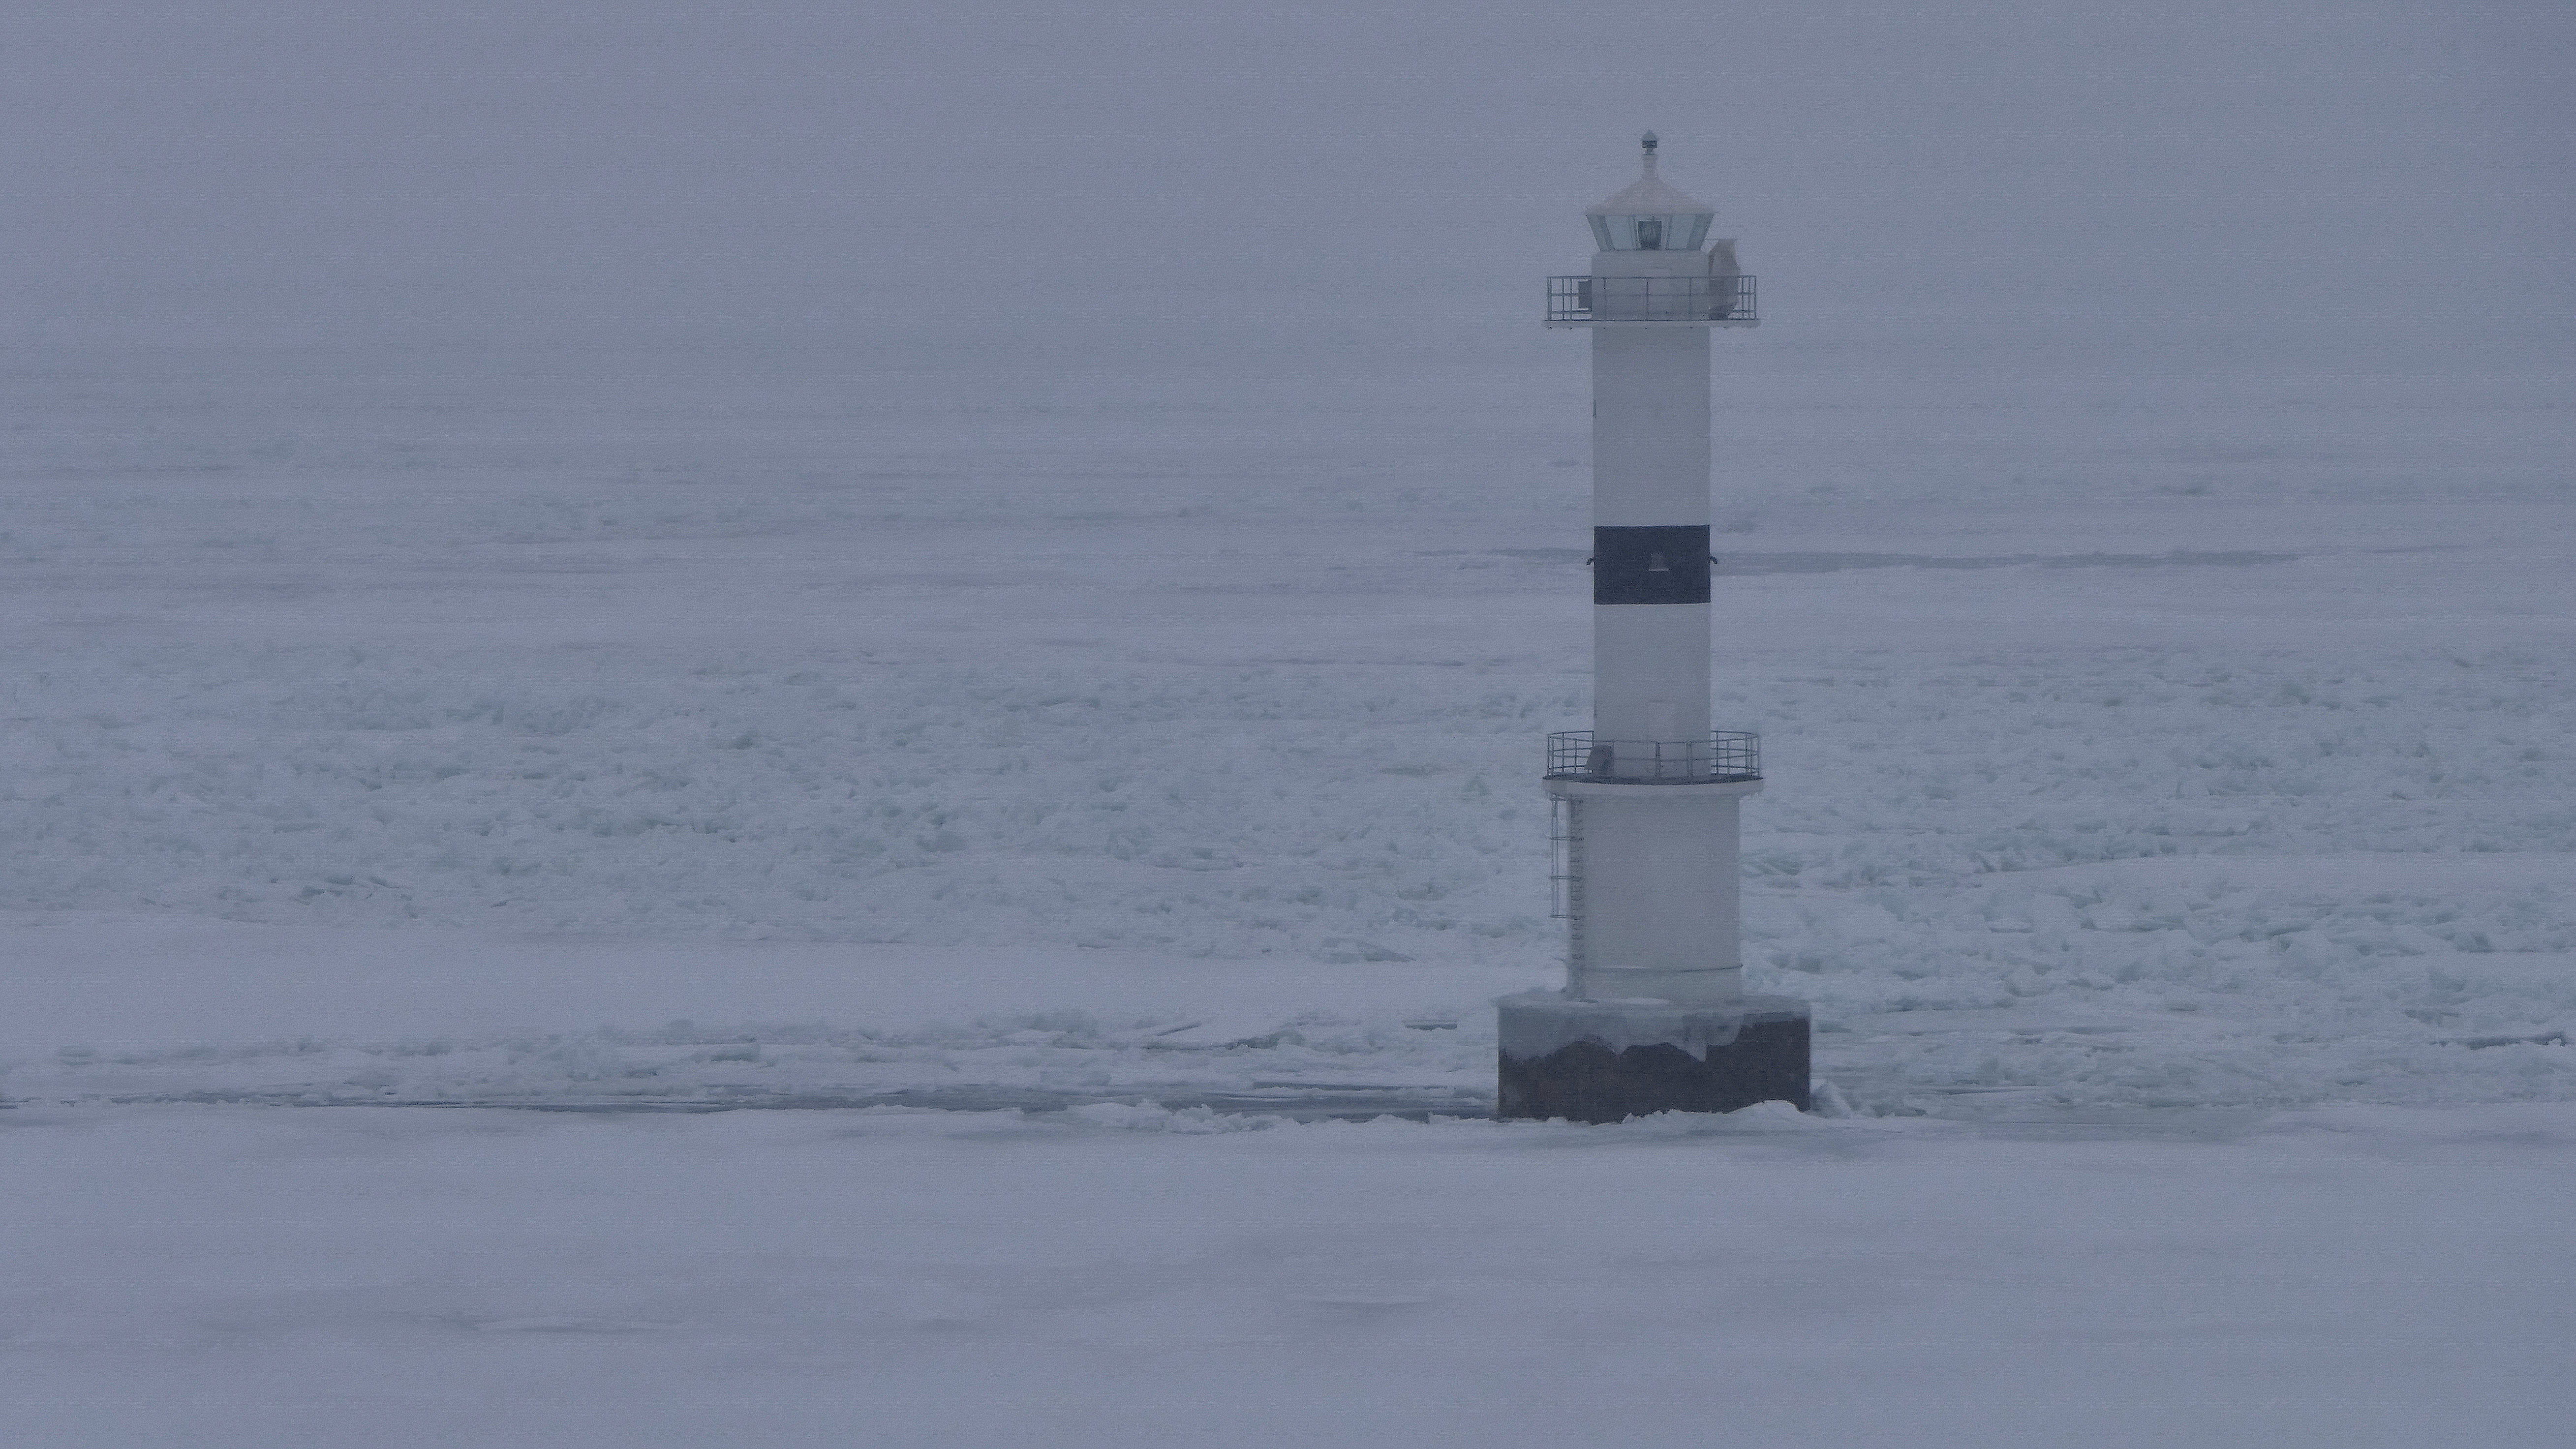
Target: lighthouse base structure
[(1606, 1061)]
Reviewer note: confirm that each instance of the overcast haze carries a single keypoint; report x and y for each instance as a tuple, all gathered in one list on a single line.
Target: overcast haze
[(1017, 565), (791, 164)]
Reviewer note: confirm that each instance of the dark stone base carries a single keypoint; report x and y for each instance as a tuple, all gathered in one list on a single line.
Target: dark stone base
[(1590, 1061)]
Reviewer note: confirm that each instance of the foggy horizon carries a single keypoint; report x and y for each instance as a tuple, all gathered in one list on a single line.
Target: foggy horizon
[(801, 168)]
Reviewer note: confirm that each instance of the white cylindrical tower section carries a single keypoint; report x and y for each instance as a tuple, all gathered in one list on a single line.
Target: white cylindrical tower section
[(1659, 916), (1650, 389), (1650, 667)]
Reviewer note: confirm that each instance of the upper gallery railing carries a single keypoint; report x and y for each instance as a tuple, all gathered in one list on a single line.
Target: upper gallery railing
[(1651, 299)]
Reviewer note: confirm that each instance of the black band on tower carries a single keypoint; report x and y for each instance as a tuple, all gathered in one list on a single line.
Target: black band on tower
[(1650, 565)]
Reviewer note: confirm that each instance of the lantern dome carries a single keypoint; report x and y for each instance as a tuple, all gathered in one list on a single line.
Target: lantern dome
[(1648, 215)]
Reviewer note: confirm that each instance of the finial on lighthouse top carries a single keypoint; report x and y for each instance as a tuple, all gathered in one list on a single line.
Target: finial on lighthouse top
[(1650, 216)]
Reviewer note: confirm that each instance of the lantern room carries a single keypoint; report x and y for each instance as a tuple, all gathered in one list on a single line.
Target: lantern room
[(1650, 216)]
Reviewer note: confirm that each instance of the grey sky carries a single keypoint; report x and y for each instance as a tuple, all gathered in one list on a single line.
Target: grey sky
[(794, 162)]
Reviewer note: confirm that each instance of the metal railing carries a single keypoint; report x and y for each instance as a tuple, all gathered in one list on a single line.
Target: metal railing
[(1725, 756), (1651, 299)]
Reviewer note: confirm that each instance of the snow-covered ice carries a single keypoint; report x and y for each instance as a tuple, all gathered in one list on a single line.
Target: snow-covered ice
[(224, 1276), (455, 1017), (2169, 816)]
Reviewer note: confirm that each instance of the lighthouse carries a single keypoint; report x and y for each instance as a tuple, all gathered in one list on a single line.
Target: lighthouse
[(1646, 804)]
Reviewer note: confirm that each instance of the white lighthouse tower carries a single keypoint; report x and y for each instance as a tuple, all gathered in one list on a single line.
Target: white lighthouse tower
[(1653, 1016)]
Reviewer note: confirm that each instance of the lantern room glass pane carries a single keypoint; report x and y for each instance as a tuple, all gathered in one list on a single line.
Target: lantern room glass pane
[(1663, 232)]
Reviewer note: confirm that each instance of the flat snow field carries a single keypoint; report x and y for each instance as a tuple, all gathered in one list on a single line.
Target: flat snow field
[(1079, 796), (236, 1276)]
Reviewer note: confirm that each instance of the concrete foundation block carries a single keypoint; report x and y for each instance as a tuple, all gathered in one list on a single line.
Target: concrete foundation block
[(1605, 1061)]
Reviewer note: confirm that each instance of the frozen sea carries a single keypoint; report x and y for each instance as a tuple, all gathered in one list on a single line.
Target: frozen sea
[(1088, 788)]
